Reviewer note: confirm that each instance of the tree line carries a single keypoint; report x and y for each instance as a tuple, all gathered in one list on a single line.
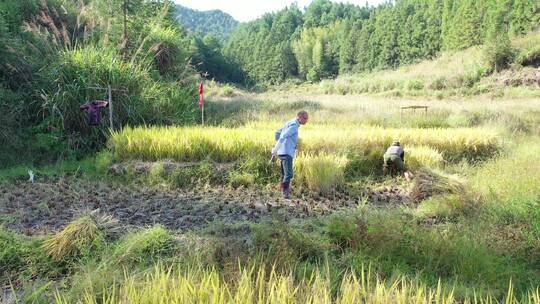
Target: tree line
[(329, 39)]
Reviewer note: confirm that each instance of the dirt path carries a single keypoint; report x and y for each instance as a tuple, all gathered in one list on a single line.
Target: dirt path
[(50, 204)]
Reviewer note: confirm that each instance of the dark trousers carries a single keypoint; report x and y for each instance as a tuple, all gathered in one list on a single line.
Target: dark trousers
[(394, 161), (286, 168)]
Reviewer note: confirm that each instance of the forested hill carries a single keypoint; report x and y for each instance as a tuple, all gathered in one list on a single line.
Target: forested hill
[(333, 38), (215, 21)]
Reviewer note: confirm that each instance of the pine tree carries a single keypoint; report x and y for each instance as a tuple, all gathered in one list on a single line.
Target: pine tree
[(349, 38), (433, 36), (468, 25), (497, 50), (365, 48), (523, 15), (448, 29)]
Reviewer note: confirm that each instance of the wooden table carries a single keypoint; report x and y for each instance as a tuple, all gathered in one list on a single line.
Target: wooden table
[(413, 108)]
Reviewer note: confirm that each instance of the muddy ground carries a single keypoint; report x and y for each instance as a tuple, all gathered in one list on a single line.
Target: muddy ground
[(48, 205)]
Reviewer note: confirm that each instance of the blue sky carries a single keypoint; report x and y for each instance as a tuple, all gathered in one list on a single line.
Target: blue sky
[(246, 10)]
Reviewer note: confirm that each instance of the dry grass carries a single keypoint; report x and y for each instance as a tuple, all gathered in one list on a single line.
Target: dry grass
[(449, 64), (428, 183)]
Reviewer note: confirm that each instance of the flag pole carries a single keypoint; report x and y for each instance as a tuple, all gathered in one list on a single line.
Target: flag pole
[(201, 101)]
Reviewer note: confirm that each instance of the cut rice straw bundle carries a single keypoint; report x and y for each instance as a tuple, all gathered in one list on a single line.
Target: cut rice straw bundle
[(428, 183)]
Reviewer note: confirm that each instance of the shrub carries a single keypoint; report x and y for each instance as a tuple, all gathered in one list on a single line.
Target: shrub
[(440, 83), (374, 87), (145, 100), (313, 75), (389, 85), (529, 56), (227, 90), (415, 85), (327, 86), (498, 52), (341, 88)]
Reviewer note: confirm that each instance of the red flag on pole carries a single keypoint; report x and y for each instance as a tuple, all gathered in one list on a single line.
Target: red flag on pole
[(201, 95)]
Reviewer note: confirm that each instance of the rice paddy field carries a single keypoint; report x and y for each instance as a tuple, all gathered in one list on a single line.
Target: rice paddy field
[(193, 214)]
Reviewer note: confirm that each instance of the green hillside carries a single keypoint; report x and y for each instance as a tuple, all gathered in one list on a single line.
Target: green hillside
[(215, 21)]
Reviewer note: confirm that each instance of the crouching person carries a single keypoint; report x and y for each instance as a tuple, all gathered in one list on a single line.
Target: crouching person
[(285, 149), (394, 160)]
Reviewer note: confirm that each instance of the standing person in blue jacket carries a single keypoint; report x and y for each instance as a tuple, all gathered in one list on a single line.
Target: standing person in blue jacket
[(285, 148)]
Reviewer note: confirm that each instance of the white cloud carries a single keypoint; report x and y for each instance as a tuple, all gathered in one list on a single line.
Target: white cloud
[(246, 10)]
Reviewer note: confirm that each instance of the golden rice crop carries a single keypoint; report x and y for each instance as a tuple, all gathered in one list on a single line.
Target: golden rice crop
[(230, 144), (423, 156), (198, 285), (320, 173)]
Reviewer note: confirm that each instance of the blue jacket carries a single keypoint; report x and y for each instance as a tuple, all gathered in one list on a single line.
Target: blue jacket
[(286, 144)]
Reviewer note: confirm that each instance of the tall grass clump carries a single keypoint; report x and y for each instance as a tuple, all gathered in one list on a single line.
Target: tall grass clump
[(321, 173), (529, 49), (143, 246), (21, 257), (140, 98)]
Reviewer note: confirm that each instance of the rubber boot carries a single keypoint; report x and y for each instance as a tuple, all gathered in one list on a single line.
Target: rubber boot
[(286, 190)]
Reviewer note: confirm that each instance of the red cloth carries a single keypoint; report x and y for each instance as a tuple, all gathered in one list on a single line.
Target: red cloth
[(201, 95)]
